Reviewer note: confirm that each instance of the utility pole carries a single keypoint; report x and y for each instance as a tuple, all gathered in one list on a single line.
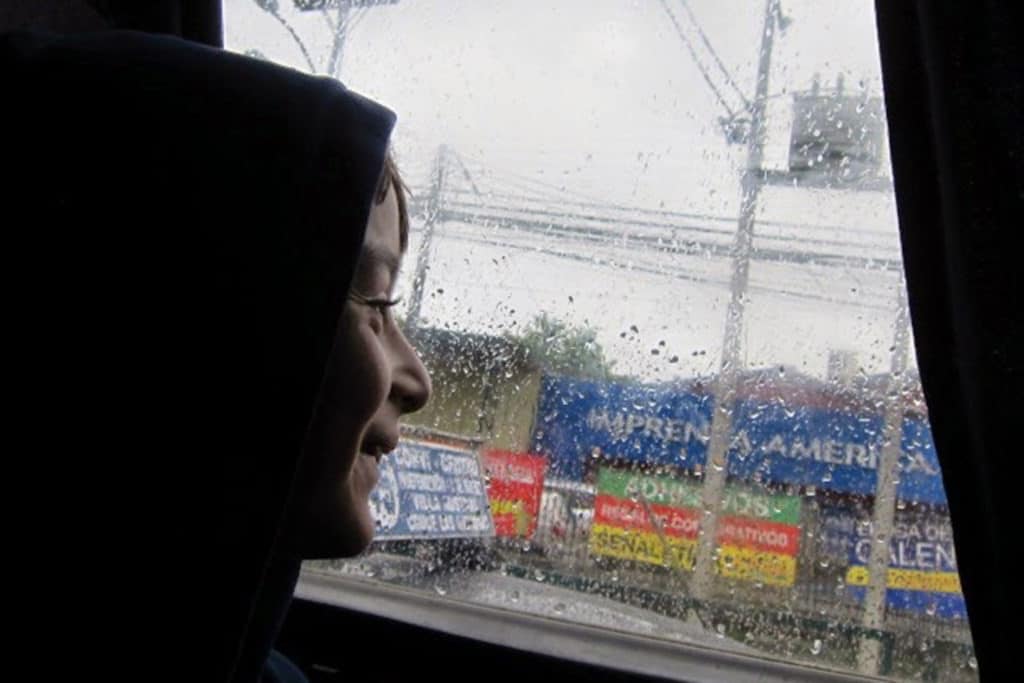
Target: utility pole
[(717, 467), (884, 508), (433, 217)]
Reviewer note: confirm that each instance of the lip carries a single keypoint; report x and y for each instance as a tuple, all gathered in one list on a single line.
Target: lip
[(369, 467), (375, 455), (376, 446)]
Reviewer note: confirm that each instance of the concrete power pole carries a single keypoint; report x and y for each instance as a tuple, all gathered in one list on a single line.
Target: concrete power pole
[(717, 466), (884, 508)]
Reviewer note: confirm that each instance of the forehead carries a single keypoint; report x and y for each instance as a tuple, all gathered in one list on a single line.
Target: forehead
[(382, 243)]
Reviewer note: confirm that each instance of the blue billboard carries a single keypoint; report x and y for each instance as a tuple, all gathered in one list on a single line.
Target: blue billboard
[(830, 449), (922, 569), (428, 490), (579, 421)]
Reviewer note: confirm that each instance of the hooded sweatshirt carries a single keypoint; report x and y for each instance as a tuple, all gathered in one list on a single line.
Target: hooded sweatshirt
[(182, 225)]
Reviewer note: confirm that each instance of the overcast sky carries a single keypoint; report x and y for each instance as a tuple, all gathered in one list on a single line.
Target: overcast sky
[(599, 101)]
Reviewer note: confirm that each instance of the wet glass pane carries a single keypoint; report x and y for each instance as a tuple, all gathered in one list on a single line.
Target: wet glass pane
[(655, 273)]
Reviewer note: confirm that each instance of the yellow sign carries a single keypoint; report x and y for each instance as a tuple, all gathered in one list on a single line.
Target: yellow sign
[(775, 569), (734, 562), (909, 579), (515, 508), (642, 546)]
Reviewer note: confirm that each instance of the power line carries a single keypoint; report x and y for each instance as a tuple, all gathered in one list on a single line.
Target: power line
[(633, 210), (646, 267), (674, 226), (707, 43), (331, 26), (472, 212), (465, 172), (558, 194), (357, 16), (697, 62), (689, 248), (660, 242), (272, 11)]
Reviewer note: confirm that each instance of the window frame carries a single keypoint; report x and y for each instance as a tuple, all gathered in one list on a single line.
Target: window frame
[(533, 635)]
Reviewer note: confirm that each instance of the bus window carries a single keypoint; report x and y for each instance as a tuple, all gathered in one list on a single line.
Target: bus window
[(655, 272)]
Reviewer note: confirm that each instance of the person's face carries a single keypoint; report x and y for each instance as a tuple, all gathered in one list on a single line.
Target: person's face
[(373, 377)]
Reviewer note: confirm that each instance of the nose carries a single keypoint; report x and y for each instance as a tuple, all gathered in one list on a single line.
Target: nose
[(410, 381)]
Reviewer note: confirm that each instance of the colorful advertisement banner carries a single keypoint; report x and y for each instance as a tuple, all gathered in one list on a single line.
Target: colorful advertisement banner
[(922, 575), (667, 425), (656, 519), (426, 490), (515, 484)]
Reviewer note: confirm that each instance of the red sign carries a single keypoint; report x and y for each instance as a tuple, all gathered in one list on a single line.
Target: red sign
[(633, 516), (515, 484)]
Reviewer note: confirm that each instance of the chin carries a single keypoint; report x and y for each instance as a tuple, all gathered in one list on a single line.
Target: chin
[(347, 537), (357, 540)]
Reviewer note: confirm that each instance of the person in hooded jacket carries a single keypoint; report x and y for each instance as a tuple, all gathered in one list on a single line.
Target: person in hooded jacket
[(209, 369)]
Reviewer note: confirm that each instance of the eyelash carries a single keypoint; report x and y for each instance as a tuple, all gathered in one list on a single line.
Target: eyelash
[(381, 305)]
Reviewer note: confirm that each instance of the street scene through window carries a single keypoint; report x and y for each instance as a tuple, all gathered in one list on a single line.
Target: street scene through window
[(654, 270)]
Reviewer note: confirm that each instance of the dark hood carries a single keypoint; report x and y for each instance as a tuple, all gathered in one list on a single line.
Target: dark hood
[(189, 224)]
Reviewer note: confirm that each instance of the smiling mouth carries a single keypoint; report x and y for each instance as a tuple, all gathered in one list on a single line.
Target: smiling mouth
[(377, 449), (377, 454)]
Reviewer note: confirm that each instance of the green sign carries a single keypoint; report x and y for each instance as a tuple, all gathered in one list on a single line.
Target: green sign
[(664, 490)]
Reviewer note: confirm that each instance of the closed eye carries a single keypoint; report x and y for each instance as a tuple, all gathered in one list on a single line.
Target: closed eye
[(379, 303)]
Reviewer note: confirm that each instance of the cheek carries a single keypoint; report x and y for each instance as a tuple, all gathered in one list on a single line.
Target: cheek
[(363, 373), (337, 521)]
